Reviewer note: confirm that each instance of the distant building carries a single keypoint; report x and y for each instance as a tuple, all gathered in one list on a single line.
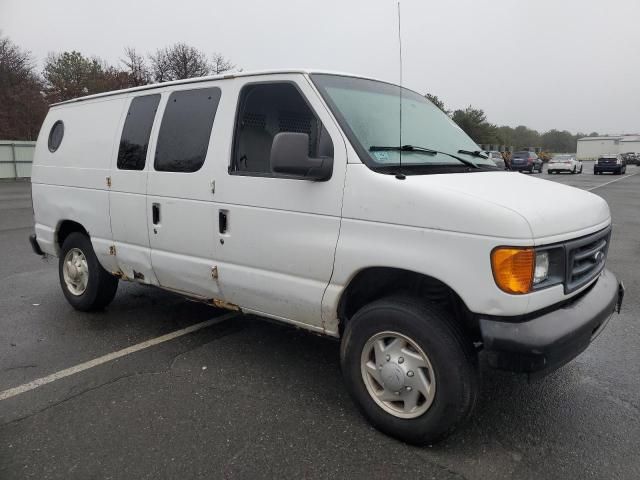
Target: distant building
[(589, 148)]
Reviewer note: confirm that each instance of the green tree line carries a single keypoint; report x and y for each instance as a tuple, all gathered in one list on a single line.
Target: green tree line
[(474, 122)]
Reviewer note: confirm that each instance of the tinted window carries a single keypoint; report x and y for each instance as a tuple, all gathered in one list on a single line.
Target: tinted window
[(521, 155), (266, 110), (185, 131), (55, 136), (136, 131)]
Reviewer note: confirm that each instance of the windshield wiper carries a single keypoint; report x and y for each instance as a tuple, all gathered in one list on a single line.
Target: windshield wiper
[(426, 151), (474, 153)]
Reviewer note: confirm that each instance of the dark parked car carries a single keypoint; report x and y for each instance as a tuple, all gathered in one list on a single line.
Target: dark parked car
[(614, 163), (631, 158), (526, 162)]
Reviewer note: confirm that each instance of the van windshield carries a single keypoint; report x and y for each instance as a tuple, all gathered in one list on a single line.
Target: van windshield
[(369, 113)]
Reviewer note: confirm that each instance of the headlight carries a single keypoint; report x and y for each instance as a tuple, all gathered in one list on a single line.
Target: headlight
[(541, 270), (519, 270)]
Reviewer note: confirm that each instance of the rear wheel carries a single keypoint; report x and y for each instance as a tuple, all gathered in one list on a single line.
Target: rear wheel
[(410, 369), (85, 284)]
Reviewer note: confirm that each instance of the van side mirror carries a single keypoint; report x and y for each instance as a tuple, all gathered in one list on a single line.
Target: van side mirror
[(290, 156)]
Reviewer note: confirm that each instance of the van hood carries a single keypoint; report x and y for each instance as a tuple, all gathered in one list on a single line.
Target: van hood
[(498, 204), (550, 208)]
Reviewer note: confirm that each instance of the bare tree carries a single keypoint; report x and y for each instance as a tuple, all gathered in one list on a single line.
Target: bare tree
[(136, 67), (219, 64), (160, 66), (177, 62)]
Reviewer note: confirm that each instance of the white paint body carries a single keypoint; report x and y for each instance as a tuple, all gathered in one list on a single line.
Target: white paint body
[(292, 246), (566, 164)]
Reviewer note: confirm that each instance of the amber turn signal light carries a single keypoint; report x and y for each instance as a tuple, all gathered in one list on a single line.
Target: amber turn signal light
[(513, 268)]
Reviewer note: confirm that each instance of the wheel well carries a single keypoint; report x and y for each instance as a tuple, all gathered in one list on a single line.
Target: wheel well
[(377, 282), (66, 228)]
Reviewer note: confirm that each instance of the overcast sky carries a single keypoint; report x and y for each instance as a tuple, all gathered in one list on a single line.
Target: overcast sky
[(565, 64)]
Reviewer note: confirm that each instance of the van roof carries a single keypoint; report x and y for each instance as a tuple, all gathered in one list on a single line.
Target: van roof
[(223, 76)]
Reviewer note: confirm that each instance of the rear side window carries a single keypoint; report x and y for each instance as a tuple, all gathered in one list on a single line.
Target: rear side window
[(55, 136), (136, 131), (185, 131)]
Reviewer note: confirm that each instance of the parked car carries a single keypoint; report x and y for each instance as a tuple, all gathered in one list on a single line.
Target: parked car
[(613, 163), (564, 163), (526, 162), (286, 195), (632, 158), (497, 159)]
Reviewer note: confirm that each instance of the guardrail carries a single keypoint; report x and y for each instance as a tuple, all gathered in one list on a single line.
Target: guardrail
[(16, 158)]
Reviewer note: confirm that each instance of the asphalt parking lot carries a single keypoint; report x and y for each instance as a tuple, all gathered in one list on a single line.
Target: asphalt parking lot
[(243, 398)]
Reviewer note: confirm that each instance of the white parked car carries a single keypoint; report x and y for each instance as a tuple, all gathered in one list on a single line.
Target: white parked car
[(564, 163), (288, 195), (497, 158)]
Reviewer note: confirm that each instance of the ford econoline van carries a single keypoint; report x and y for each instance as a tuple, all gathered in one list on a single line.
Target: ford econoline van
[(295, 195)]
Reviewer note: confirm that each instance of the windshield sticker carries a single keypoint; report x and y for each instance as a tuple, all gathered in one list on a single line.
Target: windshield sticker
[(381, 156)]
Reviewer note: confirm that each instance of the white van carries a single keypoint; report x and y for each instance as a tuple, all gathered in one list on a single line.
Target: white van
[(292, 195)]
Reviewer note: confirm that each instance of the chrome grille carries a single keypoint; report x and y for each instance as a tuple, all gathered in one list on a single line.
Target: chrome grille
[(585, 259)]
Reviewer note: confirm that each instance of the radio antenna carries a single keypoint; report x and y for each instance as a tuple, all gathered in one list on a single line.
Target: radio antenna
[(400, 175)]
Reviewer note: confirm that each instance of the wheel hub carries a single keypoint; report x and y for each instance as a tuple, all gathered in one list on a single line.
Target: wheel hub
[(75, 271), (393, 376), (398, 374)]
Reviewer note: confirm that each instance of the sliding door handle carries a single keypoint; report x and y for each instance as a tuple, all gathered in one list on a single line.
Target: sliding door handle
[(155, 213), (223, 221)]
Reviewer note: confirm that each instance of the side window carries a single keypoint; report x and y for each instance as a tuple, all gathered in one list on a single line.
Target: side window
[(185, 130), (55, 136), (265, 110), (136, 131)]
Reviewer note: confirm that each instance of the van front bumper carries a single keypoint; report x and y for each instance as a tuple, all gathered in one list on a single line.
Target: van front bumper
[(541, 343)]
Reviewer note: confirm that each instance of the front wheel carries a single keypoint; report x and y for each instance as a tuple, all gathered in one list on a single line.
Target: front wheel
[(85, 284), (410, 369)]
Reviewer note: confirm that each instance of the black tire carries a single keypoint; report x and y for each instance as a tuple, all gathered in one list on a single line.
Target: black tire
[(451, 353), (575, 170), (101, 286)]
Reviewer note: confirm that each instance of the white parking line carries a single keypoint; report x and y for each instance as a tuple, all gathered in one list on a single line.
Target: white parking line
[(612, 181), (12, 392)]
